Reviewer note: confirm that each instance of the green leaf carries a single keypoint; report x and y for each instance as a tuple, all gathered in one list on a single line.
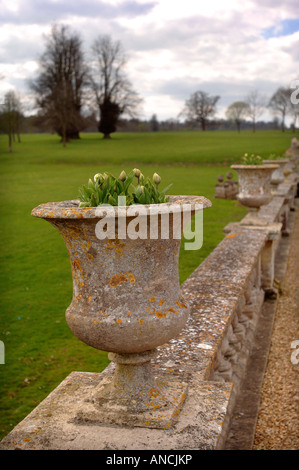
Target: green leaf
[(112, 201), (128, 182)]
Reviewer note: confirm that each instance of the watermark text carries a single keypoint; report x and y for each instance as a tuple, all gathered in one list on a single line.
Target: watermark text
[(151, 222)]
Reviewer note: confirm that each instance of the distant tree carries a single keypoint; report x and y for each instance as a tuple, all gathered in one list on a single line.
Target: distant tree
[(256, 106), (154, 124), (60, 83), (237, 112), (113, 91), (199, 108), (11, 117), (280, 104)]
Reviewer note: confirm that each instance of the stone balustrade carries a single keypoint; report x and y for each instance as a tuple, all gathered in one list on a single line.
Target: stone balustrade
[(226, 294)]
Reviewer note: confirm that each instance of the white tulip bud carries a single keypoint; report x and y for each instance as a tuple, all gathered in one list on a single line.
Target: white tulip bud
[(156, 178), (123, 176)]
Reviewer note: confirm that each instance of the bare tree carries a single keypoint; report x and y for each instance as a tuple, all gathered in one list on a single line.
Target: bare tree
[(237, 112), (199, 108), (10, 117), (256, 106), (113, 91), (280, 104), (61, 81)]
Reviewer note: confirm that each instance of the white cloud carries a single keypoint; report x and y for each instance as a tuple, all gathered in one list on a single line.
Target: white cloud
[(174, 47)]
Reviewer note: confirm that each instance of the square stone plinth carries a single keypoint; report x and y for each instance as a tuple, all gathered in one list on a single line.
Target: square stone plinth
[(201, 423), (160, 409)]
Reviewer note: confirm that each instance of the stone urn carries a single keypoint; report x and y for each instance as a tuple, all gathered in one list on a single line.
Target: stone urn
[(295, 149), (126, 300), (254, 184), (278, 175)]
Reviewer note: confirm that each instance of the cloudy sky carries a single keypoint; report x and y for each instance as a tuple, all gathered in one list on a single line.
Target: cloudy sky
[(174, 47)]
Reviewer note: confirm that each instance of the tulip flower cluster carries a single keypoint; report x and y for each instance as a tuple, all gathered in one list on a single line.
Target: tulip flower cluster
[(105, 189), (251, 159)]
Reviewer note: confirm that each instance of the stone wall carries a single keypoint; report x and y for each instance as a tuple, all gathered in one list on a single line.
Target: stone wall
[(226, 294)]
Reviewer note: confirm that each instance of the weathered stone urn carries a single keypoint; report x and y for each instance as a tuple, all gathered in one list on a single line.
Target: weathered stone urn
[(295, 149), (254, 184), (126, 300), (278, 175), (254, 189)]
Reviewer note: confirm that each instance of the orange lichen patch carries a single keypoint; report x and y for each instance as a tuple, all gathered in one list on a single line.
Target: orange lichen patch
[(90, 257), (129, 313), (161, 301), (95, 322), (117, 280), (89, 298), (73, 232), (132, 279), (116, 245), (119, 320), (81, 284), (140, 321), (233, 235), (183, 305), (76, 265), (86, 246), (160, 314), (172, 310), (152, 299)]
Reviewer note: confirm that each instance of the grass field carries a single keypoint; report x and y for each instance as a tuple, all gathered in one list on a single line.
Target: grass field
[(36, 283)]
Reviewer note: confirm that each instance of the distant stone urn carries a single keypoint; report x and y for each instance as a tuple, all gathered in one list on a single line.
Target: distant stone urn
[(126, 296), (254, 184), (295, 149), (278, 175)]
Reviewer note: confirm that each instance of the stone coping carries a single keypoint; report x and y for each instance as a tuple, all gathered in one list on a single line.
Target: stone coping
[(271, 211), (213, 292)]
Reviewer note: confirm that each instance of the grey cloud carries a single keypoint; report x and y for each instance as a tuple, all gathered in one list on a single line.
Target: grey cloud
[(229, 92), (45, 11), (199, 31), (16, 50), (289, 6)]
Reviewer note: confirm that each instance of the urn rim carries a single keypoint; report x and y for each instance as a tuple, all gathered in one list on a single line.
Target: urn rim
[(264, 166), (70, 209)]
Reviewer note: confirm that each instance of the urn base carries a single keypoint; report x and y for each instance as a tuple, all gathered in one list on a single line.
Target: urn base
[(163, 407), (133, 396)]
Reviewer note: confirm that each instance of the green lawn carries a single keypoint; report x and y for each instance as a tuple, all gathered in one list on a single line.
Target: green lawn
[(36, 283)]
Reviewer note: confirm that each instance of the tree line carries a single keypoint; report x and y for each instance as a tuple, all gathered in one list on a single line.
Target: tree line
[(201, 107), (73, 94)]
